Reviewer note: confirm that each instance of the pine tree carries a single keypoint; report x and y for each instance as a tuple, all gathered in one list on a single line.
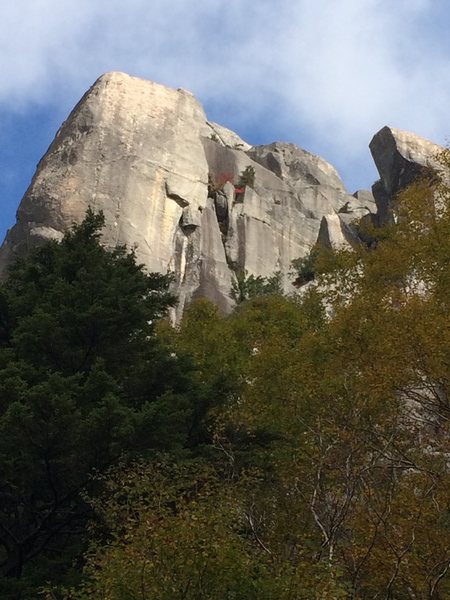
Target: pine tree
[(83, 380)]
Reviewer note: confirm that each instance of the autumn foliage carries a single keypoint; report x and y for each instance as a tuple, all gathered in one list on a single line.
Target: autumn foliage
[(314, 460), (329, 438)]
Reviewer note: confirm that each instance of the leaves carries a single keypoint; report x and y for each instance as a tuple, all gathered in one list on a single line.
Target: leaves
[(83, 380), (308, 436), (248, 286)]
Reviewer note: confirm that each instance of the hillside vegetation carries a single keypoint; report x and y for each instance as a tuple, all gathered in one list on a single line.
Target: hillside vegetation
[(297, 449)]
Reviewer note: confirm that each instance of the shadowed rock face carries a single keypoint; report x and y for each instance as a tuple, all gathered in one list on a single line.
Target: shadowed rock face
[(167, 181), (400, 157)]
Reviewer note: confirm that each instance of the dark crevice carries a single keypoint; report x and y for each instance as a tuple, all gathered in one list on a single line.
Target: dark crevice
[(187, 229)]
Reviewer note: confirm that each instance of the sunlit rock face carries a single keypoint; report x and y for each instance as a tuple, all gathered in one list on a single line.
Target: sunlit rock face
[(168, 183), (130, 148), (400, 157)]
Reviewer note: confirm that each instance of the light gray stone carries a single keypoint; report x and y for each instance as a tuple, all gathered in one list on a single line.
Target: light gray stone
[(366, 200), (143, 154), (130, 148), (400, 157), (295, 165), (335, 234), (224, 136)]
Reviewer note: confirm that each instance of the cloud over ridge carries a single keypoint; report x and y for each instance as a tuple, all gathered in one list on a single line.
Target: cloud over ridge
[(329, 74)]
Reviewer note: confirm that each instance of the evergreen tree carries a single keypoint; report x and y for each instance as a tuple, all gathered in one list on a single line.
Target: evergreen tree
[(83, 380), (247, 177)]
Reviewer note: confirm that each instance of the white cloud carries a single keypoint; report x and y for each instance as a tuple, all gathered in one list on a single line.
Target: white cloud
[(364, 63), (331, 73)]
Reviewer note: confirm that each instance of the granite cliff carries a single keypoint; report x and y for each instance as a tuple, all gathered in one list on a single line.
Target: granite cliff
[(169, 183)]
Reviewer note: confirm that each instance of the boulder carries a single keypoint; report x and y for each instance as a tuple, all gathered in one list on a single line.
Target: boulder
[(366, 201), (400, 157)]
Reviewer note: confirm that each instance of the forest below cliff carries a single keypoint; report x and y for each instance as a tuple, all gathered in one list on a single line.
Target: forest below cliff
[(296, 449)]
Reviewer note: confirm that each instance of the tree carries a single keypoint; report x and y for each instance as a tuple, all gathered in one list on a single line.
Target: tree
[(247, 177), (248, 286), (324, 470), (304, 269), (181, 532), (361, 405), (83, 380)]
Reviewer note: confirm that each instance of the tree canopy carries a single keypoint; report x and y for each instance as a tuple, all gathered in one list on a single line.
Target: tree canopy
[(296, 449), (83, 381), (328, 438)]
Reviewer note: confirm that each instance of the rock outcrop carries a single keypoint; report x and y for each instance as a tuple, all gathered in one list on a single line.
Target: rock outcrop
[(167, 182), (171, 186), (400, 157)]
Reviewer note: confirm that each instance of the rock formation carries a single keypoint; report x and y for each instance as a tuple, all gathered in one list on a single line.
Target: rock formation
[(170, 185), (400, 158)]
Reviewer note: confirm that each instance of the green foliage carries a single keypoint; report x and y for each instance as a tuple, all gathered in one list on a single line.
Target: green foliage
[(83, 380), (361, 407), (324, 441), (304, 269), (189, 538), (204, 336), (247, 177), (318, 444), (248, 286)]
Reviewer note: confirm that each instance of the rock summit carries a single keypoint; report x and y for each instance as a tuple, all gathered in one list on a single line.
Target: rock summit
[(191, 196)]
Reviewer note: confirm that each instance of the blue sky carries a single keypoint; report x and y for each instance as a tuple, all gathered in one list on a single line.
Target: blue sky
[(324, 74)]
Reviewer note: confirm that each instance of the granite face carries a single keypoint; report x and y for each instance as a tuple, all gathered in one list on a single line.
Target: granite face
[(400, 157), (116, 153), (169, 183)]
